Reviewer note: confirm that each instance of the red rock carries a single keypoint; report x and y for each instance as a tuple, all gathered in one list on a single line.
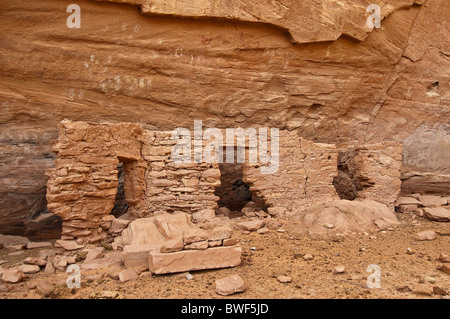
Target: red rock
[(251, 225), (230, 241), (127, 274), (44, 288), (230, 285), (426, 235), (68, 244), (35, 261), (444, 258), (432, 201), (339, 270), (404, 39), (189, 260), (284, 279), (29, 269), (439, 214), (444, 269), (12, 275)]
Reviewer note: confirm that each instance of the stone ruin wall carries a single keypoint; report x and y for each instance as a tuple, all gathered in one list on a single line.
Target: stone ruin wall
[(83, 185)]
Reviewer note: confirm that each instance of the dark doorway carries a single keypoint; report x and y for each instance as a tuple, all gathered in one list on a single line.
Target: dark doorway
[(120, 205)]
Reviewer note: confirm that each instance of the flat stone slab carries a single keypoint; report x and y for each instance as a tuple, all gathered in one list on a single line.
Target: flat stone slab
[(189, 260), (431, 201), (439, 214), (39, 244)]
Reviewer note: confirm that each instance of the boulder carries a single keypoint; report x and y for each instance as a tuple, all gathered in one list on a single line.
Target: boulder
[(439, 214), (426, 235), (346, 217), (29, 269), (230, 285), (252, 225), (127, 274), (13, 275)]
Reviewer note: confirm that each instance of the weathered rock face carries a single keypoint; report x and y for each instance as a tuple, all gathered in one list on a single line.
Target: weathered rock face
[(121, 66)]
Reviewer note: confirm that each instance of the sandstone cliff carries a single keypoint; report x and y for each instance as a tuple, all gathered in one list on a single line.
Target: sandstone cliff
[(296, 65)]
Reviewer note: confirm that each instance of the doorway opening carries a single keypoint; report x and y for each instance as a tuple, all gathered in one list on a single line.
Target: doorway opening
[(120, 205)]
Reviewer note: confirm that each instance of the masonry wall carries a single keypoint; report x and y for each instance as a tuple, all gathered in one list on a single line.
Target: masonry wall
[(83, 185), (305, 175)]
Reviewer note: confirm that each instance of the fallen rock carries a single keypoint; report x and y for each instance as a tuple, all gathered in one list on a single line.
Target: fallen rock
[(284, 279), (422, 291), (444, 258), (439, 291), (29, 269), (347, 217), (426, 235), (404, 288), (251, 225), (338, 270), (432, 201), (230, 285), (94, 254), (308, 257), (35, 261), (49, 268), (172, 245), (68, 244), (439, 214), (444, 269), (114, 273), (13, 276), (127, 274), (189, 260), (189, 276), (44, 288), (38, 244), (429, 279)]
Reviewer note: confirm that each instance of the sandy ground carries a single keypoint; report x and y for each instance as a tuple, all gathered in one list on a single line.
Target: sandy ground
[(265, 257)]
